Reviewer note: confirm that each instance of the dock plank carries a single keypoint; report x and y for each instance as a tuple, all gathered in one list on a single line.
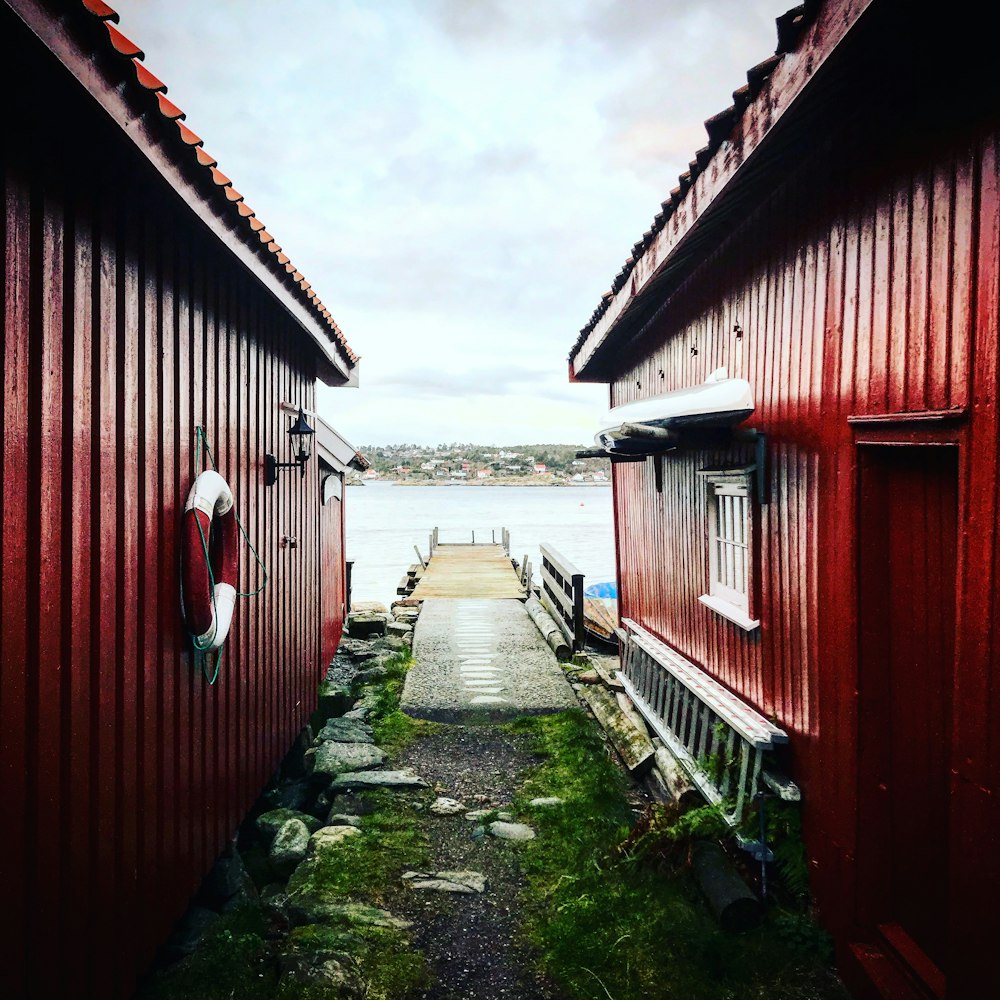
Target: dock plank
[(469, 571)]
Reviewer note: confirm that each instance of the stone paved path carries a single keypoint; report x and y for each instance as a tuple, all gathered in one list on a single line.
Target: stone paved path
[(481, 659)]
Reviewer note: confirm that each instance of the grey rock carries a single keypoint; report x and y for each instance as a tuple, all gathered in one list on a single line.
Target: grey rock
[(510, 831), (395, 643), (322, 805), (372, 674), (334, 700), (377, 779), (546, 802), (274, 900), (269, 823), (336, 758), (462, 882), (364, 706), (399, 629), (345, 731), (343, 819), (289, 846), (291, 794), (336, 974), (329, 837), (355, 649), (365, 624), (227, 878), (477, 814), (306, 907), (444, 806)]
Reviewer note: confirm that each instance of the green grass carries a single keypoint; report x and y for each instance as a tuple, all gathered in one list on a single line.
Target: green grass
[(609, 926), (364, 867), (393, 729)]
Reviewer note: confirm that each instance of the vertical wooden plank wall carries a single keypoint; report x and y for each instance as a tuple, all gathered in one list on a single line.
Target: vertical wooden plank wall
[(872, 300), (123, 771)]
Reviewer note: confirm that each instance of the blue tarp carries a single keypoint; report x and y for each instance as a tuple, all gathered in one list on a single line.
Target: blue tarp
[(602, 590)]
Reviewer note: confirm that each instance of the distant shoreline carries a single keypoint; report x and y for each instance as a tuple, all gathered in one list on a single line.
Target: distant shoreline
[(533, 482)]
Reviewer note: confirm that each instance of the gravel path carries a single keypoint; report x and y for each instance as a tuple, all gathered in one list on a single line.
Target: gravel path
[(469, 939)]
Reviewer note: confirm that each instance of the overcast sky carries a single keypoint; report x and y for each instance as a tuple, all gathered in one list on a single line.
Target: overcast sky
[(460, 180)]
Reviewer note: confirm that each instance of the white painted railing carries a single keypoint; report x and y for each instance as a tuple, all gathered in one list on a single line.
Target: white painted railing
[(721, 742)]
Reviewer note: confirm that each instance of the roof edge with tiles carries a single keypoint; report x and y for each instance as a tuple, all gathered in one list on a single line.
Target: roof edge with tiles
[(816, 27), (82, 34)]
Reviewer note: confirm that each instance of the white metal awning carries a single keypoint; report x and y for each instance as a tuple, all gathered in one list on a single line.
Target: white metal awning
[(718, 402)]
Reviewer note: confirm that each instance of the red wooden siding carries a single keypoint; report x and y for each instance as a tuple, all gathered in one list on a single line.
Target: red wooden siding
[(332, 568), (126, 326), (849, 294)]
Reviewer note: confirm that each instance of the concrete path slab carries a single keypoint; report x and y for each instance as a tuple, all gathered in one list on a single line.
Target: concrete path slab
[(481, 659)]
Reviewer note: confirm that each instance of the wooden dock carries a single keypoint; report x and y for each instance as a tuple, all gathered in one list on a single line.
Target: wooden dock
[(469, 571)]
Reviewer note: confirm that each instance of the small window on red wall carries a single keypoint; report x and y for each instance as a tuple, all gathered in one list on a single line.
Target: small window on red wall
[(729, 533)]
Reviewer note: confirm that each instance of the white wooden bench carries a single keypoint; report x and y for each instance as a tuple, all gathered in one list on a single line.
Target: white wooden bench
[(721, 742)]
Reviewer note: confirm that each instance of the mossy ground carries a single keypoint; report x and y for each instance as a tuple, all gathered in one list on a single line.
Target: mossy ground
[(242, 955), (608, 925), (600, 922), (233, 960)]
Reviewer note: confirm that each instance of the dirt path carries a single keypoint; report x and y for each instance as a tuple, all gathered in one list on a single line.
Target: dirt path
[(469, 940)]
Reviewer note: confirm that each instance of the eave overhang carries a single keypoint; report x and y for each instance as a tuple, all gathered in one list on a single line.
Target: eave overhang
[(83, 40), (720, 186)]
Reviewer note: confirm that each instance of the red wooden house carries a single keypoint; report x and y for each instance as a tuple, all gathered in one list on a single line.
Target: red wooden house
[(143, 300), (831, 559)]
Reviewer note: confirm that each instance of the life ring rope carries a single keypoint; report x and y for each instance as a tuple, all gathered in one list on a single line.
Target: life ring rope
[(208, 506)]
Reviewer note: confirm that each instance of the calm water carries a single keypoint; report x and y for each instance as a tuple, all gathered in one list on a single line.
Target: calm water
[(384, 522)]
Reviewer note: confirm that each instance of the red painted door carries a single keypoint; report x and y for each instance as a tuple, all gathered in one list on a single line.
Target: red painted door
[(908, 535)]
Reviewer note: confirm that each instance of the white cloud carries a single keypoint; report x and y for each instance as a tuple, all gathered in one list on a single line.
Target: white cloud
[(459, 180)]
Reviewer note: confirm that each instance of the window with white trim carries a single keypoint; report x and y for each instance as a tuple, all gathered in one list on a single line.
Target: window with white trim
[(729, 530)]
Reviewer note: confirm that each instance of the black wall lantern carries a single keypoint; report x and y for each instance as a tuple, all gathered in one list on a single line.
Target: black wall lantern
[(300, 432)]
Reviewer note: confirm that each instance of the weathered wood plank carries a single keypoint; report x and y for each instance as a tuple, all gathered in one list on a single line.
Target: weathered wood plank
[(633, 746)]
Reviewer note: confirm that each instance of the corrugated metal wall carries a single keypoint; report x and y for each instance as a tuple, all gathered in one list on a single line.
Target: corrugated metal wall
[(863, 292), (123, 772)]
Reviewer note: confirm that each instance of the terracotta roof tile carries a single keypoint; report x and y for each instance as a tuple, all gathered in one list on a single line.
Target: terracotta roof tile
[(149, 82), (167, 107), (122, 45), (100, 9), (147, 79), (187, 136)]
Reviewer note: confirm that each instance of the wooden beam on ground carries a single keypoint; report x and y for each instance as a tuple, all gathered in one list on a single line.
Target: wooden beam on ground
[(633, 746)]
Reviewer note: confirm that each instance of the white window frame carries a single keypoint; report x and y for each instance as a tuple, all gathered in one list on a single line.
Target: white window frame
[(729, 496)]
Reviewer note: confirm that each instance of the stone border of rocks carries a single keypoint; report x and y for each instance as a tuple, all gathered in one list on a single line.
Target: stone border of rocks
[(310, 807)]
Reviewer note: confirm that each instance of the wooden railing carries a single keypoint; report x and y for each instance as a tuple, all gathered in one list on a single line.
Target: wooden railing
[(435, 540), (562, 595), (722, 743)]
